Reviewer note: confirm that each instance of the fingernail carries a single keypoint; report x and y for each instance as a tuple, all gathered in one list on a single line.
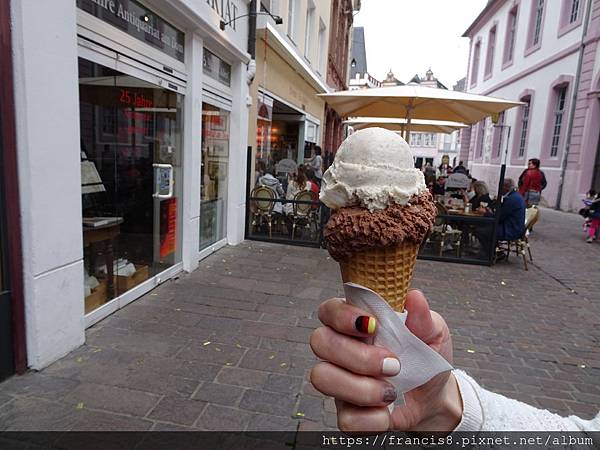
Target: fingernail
[(366, 324), (391, 367), (389, 395)]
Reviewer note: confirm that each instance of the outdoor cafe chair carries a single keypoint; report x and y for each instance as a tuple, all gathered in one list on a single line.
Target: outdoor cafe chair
[(262, 206), (443, 234), (521, 246), (304, 212)]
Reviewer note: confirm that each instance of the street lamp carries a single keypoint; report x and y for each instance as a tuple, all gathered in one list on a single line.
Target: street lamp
[(278, 19)]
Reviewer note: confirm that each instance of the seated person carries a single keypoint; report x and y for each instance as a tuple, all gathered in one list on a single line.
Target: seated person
[(310, 174), (511, 223), (298, 183), (439, 187), (268, 180), (511, 220), (480, 194)]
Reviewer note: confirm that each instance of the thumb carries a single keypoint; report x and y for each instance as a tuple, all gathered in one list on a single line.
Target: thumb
[(419, 320)]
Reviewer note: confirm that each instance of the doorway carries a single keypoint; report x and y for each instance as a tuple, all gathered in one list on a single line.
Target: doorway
[(131, 141), (7, 366)]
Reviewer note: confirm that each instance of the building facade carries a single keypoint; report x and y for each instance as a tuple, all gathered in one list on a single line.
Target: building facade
[(433, 147), (545, 54), (359, 74), (337, 69), (287, 118), (12, 323), (132, 152)]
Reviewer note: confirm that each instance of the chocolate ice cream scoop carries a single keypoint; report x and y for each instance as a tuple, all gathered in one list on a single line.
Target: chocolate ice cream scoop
[(355, 229)]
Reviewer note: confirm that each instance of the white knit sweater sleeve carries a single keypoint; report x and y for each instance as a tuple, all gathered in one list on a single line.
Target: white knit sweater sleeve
[(486, 411)]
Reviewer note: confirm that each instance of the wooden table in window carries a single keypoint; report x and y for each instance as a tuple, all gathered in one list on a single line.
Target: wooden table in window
[(102, 230)]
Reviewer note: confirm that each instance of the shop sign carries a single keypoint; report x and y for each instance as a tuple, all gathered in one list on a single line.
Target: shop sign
[(139, 22), (265, 107), (216, 68), (227, 9)]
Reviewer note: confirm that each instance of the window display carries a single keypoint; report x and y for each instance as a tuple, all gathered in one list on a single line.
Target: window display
[(214, 175), (131, 178)]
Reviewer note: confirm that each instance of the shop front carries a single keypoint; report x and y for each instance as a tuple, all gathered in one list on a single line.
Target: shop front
[(131, 145), (285, 128), (137, 170)]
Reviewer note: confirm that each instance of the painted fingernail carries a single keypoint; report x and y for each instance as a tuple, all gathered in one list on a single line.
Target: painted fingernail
[(390, 367), (389, 395), (366, 324)]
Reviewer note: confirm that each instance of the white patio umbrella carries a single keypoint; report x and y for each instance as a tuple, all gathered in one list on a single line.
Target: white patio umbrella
[(427, 126), (416, 102)]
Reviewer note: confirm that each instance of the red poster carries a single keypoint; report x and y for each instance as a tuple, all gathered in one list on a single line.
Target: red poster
[(168, 227)]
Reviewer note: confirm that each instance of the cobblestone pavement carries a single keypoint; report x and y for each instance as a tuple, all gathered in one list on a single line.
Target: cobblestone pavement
[(226, 347)]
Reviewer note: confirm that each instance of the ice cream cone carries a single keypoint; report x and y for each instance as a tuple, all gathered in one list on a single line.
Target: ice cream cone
[(387, 271)]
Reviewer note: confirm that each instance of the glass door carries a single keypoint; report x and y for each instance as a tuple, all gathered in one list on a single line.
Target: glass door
[(214, 175), (131, 180)]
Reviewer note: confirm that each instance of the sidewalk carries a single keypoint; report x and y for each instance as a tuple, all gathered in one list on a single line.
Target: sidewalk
[(226, 347)]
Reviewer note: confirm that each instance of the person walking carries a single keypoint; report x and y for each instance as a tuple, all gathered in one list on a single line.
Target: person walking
[(316, 164), (532, 182), (594, 216)]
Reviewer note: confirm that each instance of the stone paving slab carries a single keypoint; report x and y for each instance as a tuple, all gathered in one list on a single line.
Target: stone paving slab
[(226, 347)]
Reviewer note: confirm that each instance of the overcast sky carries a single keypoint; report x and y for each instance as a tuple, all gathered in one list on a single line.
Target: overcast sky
[(409, 36)]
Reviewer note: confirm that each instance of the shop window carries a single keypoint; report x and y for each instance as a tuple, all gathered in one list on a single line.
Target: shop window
[(216, 68), (131, 178), (214, 175)]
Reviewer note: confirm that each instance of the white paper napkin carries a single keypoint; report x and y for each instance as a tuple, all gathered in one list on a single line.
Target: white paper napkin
[(418, 363)]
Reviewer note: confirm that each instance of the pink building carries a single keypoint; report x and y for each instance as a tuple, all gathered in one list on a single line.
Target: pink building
[(544, 53)]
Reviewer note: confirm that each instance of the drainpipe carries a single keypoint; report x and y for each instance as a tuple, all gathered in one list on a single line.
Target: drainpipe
[(251, 73), (565, 158)]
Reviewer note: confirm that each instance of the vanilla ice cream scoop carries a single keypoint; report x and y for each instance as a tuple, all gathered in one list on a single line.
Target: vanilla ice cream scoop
[(372, 168)]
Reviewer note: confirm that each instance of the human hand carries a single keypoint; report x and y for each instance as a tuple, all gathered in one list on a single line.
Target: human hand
[(353, 372)]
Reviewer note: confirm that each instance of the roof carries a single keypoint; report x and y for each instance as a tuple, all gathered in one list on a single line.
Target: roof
[(359, 54), (481, 15)]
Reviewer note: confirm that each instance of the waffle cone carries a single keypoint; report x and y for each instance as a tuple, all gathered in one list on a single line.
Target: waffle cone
[(387, 271)]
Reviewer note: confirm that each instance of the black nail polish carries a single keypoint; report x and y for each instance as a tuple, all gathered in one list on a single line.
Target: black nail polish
[(366, 324)]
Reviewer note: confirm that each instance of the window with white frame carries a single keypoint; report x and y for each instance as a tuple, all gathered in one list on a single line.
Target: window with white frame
[(489, 60), (574, 11), (308, 30), (559, 112), (480, 138), (500, 130), (537, 26), (291, 18), (524, 125), (322, 52), (475, 64), (511, 35)]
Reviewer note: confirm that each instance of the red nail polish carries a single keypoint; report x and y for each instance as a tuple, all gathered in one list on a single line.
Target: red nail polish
[(366, 324)]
